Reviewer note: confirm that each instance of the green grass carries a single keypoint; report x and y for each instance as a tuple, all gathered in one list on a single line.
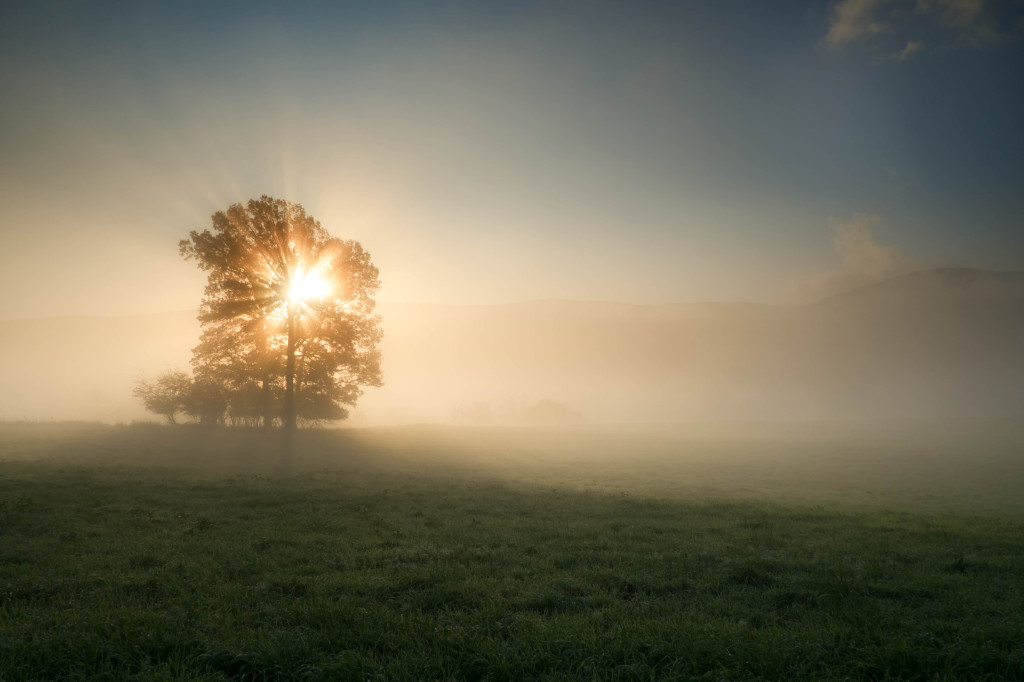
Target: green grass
[(151, 553)]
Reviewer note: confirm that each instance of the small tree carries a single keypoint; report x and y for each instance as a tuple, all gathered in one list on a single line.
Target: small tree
[(166, 395)]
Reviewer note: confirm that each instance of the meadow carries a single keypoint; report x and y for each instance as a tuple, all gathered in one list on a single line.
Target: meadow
[(716, 552)]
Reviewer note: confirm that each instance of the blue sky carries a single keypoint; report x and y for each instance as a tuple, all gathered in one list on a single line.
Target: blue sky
[(485, 152)]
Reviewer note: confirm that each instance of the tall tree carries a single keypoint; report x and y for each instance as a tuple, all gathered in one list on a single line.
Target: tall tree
[(285, 301)]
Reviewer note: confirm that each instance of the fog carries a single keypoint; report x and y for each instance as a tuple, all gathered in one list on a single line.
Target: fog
[(927, 345)]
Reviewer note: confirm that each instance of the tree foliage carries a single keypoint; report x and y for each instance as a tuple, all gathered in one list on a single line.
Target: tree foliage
[(288, 328), (207, 402), (166, 395)]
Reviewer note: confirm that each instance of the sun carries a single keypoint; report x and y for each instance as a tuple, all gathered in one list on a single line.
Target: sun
[(308, 286)]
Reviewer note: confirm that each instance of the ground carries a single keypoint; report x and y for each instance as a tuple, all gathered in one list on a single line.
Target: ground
[(427, 553)]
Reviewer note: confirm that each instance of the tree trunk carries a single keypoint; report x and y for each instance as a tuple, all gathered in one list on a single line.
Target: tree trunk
[(289, 388), (264, 407), (266, 415)]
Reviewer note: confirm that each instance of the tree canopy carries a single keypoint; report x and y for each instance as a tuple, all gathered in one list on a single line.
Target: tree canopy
[(288, 324), (166, 395)]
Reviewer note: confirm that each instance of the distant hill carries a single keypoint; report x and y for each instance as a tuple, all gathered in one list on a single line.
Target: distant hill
[(942, 285), (941, 342), (932, 343), (947, 341)]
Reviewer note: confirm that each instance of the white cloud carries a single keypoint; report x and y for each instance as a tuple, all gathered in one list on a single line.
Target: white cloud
[(971, 20), (911, 47), (909, 50), (964, 23), (953, 12), (854, 20), (862, 261)]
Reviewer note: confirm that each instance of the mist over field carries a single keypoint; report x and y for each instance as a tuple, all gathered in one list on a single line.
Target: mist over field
[(492, 341), (931, 344)]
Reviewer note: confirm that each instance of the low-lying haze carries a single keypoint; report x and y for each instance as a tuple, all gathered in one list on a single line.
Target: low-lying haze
[(928, 344), (559, 198)]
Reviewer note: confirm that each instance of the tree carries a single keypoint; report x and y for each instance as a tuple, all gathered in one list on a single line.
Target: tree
[(166, 395), (285, 303), (237, 355), (206, 402)]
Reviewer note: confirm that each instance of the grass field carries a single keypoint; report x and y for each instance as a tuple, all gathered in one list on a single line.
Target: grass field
[(145, 552)]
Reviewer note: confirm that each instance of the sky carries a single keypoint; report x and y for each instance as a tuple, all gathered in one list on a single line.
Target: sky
[(486, 152)]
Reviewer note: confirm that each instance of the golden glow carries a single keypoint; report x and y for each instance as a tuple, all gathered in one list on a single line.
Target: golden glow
[(308, 286)]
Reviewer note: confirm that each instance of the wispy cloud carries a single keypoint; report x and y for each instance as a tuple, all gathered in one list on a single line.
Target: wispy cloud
[(911, 47), (962, 23), (952, 12), (971, 20), (863, 260), (854, 20)]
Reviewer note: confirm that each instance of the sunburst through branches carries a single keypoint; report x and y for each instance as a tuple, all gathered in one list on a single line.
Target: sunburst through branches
[(287, 314)]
